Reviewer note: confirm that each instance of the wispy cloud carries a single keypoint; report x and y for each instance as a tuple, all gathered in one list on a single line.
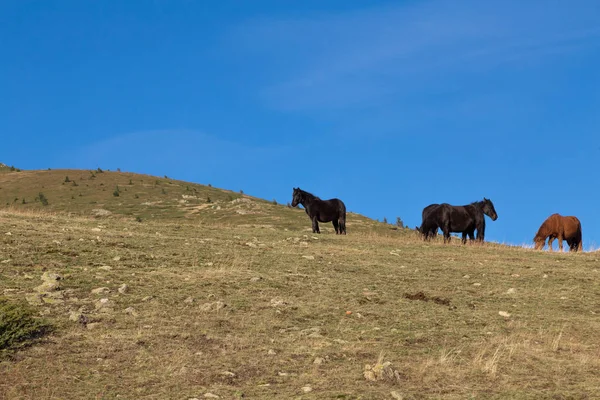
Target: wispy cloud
[(368, 57)]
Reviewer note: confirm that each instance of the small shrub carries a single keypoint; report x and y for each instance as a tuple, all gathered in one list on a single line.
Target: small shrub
[(385, 220), (67, 180), (15, 200), (23, 202), (130, 182), (19, 326), (118, 169), (75, 183), (117, 192), (99, 170), (229, 197), (136, 196), (138, 219), (274, 202), (208, 199), (42, 199), (12, 168), (399, 222), (241, 191), (164, 191), (209, 185), (187, 188)]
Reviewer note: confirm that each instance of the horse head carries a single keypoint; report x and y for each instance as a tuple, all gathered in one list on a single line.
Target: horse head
[(489, 210), (297, 197)]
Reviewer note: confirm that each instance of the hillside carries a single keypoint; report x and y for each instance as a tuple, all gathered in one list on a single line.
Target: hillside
[(168, 295)]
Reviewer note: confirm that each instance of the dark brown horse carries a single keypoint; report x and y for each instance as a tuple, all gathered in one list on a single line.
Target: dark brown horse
[(465, 219), (562, 228), (318, 210)]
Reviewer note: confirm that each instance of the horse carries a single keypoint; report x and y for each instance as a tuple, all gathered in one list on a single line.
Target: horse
[(429, 225), (318, 210), (562, 228), (464, 219)]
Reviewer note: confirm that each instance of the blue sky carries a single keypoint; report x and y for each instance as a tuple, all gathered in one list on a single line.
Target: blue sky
[(388, 105)]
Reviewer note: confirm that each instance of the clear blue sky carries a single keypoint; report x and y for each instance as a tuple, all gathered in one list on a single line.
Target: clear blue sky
[(388, 105)]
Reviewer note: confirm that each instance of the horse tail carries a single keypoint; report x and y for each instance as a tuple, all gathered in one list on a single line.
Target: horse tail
[(342, 217), (580, 238)]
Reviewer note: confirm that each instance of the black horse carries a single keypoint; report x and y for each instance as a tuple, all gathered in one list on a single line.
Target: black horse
[(429, 225), (464, 219), (318, 210)]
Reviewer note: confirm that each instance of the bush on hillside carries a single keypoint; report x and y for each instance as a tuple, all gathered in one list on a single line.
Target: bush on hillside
[(19, 326)]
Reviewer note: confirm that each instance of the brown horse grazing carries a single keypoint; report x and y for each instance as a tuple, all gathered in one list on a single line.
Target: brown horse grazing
[(562, 228)]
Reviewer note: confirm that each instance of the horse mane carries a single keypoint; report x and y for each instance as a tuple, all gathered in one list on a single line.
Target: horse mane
[(309, 196)]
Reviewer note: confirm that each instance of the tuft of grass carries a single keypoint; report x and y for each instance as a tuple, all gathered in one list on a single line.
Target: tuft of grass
[(18, 325)]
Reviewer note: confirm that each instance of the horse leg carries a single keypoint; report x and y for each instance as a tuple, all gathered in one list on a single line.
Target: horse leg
[(560, 243), (336, 226), (550, 240), (315, 225), (464, 238), (342, 222)]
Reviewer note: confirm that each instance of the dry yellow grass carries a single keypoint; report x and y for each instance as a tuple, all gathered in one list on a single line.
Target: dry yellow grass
[(256, 305)]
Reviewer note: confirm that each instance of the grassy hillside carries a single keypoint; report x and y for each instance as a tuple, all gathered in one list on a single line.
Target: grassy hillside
[(237, 298)]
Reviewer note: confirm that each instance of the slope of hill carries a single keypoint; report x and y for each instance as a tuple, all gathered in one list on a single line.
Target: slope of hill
[(237, 298)]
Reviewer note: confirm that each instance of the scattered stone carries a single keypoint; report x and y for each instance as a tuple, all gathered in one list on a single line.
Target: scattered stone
[(250, 244), (319, 361), (124, 288), (189, 300), (105, 268), (381, 371), (467, 276), (117, 258), (211, 396), (147, 298), (100, 290), (511, 291), (228, 373), (545, 276), (56, 242), (214, 306), (396, 396), (309, 257), (50, 276), (271, 352), (306, 389), (99, 212), (35, 299), (504, 314), (93, 325), (130, 311), (477, 284), (8, 234), (255, 279), (278, 302), (104, 306), (96, 230)]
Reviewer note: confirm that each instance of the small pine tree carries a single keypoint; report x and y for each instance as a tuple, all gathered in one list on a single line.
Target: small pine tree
[(67, 180), (130, 182), (99, 170), (117, 192), (241, 191), (274, 202), (208, 199), (23, 202), (43, 199), (164, 191), (385, 220)]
